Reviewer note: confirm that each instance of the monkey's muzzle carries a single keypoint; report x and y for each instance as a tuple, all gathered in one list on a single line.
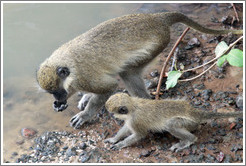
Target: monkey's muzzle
[(59, 106)]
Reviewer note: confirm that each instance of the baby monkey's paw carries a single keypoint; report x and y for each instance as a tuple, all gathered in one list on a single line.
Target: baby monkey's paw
[(110, 140)]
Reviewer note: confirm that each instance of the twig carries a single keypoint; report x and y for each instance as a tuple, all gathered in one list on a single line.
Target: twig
[(235, 10), (165, 63), (230, 46), (199, 74)]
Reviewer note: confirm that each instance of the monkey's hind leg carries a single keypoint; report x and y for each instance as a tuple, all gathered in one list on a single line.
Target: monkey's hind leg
[(134, 83), (180, 128), (122, 133)]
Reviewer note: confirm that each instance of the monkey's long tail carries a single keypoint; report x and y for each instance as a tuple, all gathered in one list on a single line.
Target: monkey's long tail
[(174, 17), (219, 115)]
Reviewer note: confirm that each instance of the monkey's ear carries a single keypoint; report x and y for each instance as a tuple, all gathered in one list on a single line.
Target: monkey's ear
[(123, 110), (63, 72)]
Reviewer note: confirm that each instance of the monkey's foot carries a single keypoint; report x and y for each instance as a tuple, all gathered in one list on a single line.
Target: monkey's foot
[(118, 146), (78, 120), (181, 145), (84, 101)]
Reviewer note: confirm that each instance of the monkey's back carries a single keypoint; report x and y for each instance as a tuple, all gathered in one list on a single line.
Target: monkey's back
[(155, 114)]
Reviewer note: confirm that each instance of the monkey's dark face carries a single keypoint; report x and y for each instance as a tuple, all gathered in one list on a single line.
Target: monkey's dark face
[(51, 80)]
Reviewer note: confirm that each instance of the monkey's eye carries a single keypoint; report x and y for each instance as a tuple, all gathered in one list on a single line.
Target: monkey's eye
[(63, 72), (123, 110)]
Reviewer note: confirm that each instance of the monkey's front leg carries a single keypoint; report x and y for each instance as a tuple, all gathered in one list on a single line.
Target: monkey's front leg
[(123, 132), (84, 101), (132, 139), (95, 103)]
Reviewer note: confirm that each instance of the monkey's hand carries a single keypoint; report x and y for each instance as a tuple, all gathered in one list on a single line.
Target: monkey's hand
[(110, 140), (79, 119), (59, 106)]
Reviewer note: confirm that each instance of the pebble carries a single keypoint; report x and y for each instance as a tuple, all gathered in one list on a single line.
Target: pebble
[(71, 152), (28, 132), (194, 42), (83, 146), (239, 102), (154, 73)]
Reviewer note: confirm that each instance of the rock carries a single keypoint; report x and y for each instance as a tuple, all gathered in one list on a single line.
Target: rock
[(28, 132), (65, 148), (20, 142), (194, 42), (83, 146), (71, 152), (145, 153), (227, 20), (152, 83), (206, 94), (239, 102), (220, 157), (154, 73), (14, 154), (221, 132), (84, 158)]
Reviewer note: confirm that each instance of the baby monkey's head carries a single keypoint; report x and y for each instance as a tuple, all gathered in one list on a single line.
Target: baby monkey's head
[(120, 104)]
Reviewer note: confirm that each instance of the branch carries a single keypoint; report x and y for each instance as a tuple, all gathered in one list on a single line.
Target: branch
[(230, 46), (235, 10), (199, 74), (165, 63)]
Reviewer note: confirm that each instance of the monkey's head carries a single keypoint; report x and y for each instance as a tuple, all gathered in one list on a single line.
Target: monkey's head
[(56, 80), (120, 104)]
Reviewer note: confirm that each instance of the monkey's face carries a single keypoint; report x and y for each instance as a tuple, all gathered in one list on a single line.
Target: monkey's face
[(51, 79), (119, 104)]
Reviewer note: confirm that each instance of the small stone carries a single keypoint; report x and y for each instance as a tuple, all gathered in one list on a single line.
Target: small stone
[(221, 132), (65, 148), (84, 158), (71, 152), (28, 132), (239, 102), (227, 20), (220, 157), (20, 142), (194, 42), (154, 73), (14, 154), (145, 153), (83, 146)]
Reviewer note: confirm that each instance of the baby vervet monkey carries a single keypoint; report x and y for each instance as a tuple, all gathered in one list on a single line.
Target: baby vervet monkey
[(90, 63), (177, 117)]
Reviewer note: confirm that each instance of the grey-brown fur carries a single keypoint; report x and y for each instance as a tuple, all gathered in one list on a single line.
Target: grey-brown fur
[(122, 46), (177, 117)]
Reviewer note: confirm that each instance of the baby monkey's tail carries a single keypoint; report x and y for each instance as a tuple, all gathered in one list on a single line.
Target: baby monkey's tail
[(219, 115)]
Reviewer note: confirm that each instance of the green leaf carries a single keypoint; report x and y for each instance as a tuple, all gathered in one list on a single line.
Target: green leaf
[(220, 48), (235, 57), (221, 60), (172, 79)]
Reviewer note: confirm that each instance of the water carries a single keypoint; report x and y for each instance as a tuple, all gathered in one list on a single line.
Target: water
[(31, 32)]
